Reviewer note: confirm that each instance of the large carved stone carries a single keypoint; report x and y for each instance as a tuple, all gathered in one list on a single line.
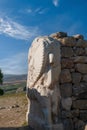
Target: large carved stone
[(43, 84)]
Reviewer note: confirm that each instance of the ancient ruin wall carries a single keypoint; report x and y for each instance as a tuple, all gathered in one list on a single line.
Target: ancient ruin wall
[(73, 80)]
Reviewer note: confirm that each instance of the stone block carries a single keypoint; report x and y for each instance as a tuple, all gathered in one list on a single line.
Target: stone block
[(68, 124), (80, 59), (70, 114), (83, 115), (78, 51), (81, 43), (85, 77), (66, 90), (76, 77), (78, 36), (68, 41), (67, 63), (58, 35), (82, 68), (67, 52), (66, 103), (79, 88), (65, 76), (80, 104)]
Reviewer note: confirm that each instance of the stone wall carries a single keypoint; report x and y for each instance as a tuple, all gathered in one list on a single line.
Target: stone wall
[(73, 80)]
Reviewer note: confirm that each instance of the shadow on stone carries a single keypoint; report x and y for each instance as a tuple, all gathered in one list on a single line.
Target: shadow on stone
[(17, 128)]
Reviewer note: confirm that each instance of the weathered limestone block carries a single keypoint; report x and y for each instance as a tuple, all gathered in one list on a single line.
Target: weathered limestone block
[(85, 50), (66, 90), (81, 43), (68, 124), (66, 103), (78, 36), (85, 77), (80, 104), (68, 41), (67, 52), (76, 78), (80, 59), (82, 68), (43, 84), (65, 76), (83, 115), (79, 125), (79, 51), (70, 114), (58, 35), (79, 88), (67, 63)]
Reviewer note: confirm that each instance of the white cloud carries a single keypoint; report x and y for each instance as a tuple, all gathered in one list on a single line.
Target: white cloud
[(38, 10), (56, 2), (16, 64), (16, 30)]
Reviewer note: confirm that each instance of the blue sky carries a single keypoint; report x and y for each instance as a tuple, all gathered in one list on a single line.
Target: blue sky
[(22, 20)]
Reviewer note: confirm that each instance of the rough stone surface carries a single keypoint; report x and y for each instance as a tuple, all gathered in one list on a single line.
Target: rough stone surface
[(65, 76), (80, 104), (58, 35), (67, 52), (85, 77), (81, 43), (78, 36), (68, 41), (79, 51), (80, 59), (76, 78), (66, 103), (42, 83), (67, 63), (83, 115), (79, 89), (66, 90), (82, 68)]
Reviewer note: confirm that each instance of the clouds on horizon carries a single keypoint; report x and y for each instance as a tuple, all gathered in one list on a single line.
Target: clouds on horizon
[(16, 64), (16, 30)]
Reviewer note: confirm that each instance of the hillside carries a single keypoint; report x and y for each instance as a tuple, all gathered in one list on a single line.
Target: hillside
[(11, 79)]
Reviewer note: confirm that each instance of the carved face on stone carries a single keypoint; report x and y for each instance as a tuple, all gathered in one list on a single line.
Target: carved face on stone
[(44, 59)]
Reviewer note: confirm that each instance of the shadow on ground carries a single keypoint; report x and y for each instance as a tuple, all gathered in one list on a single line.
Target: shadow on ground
[(17, 128)]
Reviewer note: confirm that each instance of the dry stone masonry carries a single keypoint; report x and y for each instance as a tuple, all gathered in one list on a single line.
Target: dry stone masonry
[(57, 83), (73, 80)]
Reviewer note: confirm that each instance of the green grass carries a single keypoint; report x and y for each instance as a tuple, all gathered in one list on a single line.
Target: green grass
[(11, 88)]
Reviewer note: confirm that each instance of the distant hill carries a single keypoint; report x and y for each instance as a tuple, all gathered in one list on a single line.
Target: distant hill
[(8, 78)]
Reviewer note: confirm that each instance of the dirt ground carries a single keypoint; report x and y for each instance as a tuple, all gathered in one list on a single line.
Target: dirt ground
[(13, 108)]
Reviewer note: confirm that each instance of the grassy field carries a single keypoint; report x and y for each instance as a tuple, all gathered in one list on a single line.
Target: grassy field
[(12, 88)]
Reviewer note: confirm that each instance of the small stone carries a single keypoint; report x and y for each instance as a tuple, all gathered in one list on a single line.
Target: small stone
[(82, 68), (68, 41), (80, 59), (67, 103), (78, 36), (66, 90), (76, 78), (67, 63), (80, 104), (65, 76), (67, 52)]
